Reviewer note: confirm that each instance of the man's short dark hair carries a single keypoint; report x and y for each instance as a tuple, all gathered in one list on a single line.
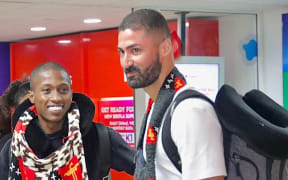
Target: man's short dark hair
[(150, 20), (15, 91), (22, 91), (45, 67)]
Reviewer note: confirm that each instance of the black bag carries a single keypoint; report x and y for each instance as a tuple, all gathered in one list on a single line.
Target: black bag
[(255, 134)]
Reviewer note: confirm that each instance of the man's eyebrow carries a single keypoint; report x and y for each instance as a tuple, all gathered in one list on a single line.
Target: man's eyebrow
[(128, 47), (53, 84)]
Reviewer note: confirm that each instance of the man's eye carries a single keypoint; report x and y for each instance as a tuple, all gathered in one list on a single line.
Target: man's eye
[(63, 90), (136, 50), (45, 90), (120, 51)]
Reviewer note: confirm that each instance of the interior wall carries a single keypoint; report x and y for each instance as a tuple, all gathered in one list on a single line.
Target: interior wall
[(235, 31), (104, 76), (27, 55)]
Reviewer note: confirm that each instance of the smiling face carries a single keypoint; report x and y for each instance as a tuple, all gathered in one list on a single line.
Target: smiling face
[(139, 57), (52, 95)]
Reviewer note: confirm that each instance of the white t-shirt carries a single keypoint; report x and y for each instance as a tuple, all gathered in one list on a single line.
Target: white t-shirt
[(196, 131)]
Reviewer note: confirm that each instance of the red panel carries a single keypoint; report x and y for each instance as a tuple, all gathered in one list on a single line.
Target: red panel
[(104, 75), (25, 56), (202, 38)]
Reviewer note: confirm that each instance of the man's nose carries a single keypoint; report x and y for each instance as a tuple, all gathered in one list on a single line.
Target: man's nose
[(127, 61), (55, 96)]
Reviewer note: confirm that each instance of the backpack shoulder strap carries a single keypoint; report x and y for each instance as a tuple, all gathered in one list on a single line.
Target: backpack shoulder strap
[(169, 146), (105, 148)]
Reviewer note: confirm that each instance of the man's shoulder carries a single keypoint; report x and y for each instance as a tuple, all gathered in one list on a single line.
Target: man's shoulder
[(4, 139)]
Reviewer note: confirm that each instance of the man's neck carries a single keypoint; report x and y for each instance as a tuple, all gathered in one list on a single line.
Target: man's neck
[(154, 88)]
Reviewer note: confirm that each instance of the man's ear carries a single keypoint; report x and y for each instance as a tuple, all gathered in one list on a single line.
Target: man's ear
[(166, 47), (31, 96)]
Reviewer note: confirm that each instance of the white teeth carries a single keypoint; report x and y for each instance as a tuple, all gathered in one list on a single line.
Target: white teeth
[(55, 108)]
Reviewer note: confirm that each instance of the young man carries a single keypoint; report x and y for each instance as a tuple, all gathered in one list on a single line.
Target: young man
[(146, 55), (54, 136)]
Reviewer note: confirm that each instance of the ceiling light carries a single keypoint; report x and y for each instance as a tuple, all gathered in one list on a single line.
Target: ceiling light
[(38, 28), (64, 41), (90, 21), (86, 39)]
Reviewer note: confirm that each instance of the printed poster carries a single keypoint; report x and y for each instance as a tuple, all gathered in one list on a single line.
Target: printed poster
[(118, 113)]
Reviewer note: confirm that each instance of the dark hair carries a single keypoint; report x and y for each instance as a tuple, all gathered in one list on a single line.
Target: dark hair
[(150, 20), (5, 118), (23, 90), (15, 91), (48, 66)]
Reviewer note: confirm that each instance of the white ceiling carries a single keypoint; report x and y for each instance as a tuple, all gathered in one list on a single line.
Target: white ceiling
[(66, 16)]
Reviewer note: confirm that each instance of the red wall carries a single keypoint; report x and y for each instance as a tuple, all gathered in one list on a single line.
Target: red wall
[(202, 38), (25, 56), (105, 77)]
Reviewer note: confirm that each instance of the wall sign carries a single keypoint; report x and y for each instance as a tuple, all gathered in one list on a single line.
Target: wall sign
[(118, 113)]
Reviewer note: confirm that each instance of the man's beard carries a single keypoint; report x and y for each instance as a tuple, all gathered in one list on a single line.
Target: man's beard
[(145, 78)]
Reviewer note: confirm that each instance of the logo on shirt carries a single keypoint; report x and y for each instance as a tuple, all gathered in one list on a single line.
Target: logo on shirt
[(151, 135), (179, 83)]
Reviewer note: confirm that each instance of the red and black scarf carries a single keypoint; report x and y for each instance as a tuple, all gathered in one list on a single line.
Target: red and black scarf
[(67, 162), (145, 170)]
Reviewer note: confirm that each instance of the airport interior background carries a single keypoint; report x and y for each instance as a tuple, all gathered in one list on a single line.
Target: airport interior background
[(245, 49)]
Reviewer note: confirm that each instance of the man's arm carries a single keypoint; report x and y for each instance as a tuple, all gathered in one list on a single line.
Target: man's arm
[(122, 154)]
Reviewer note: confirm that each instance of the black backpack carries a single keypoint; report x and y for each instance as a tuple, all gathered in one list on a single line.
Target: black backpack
[(255, 134)]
